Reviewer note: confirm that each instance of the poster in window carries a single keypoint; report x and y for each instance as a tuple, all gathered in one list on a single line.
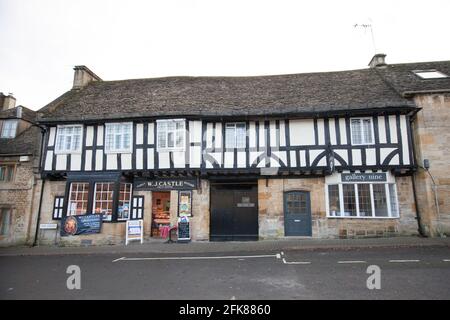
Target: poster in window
[(185, 204)]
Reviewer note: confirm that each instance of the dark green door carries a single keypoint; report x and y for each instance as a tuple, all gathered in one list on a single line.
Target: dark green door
[(297, 213)]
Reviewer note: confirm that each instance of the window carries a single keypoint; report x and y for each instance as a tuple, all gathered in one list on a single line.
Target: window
[(235, 135), (138, 207), (124, 207), (362, 131), (68, 139), (296, 202), (430, 74), (6, 173), (103, 199), (78, 198), (171, 135), (119, 137), (333, 200), (5, 218), (9, 128), (375, 200), (58, 207)]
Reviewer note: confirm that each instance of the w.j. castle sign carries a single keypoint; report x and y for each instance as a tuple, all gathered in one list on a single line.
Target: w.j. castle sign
[(165, 184)]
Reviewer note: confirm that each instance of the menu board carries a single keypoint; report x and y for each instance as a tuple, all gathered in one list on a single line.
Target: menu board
[(185, 204), (184, 229)]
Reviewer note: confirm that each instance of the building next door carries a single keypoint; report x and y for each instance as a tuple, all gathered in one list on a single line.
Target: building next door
[(234, 211), (297, 214)]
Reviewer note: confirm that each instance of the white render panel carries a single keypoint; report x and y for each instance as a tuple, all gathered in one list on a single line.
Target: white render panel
[(252, 134), (75, 162), (262, 134), (217, 156), (195, 131), (49, 160), (395, 160), (313, 154), (321, 131), (302, 159), (195, 159), (164, 159), (139, 133), (151, 133), (179, 159), (273, 133), (404, 135), (393, 129), (301, 132), (356, 157), (52, 136), (332, 127), (125, 161), (382, 129), (218, 135), (89, 136), (282, 133), (209, 134), (100, 135), (61, 162), (384, 152), (150, 158), (253, 156), (342, 130), (111, 161), (99, 160), (241, 159), (282, 156), (371, 158), (139, 159), (88, 161), (229, 159), (343, 154), (293, 158)]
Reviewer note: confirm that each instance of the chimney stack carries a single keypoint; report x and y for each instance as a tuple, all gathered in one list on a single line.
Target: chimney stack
[(7, 102), (83, 76), (378, 60)]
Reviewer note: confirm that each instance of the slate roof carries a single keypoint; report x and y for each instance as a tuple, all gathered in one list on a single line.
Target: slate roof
[(278, 95), (27, 114)]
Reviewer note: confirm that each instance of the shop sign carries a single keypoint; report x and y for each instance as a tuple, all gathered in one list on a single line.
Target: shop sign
[(185, 204), (135, 231), (82, 224), (165, 184), (364, 177), (184, 229)]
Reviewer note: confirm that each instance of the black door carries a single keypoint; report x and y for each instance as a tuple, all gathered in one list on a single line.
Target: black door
[(297, 214), (234, 212)]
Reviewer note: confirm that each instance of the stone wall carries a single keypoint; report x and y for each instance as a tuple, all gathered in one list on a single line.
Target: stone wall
[(432, 141), (271, 215)]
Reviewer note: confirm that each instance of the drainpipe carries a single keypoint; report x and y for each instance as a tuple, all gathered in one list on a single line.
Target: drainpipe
[(43, 131)]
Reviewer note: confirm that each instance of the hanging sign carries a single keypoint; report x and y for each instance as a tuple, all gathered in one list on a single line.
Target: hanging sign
[(83, 224), (165, 184), (184, 229), (364, 177), (185, 204), (135, 231)]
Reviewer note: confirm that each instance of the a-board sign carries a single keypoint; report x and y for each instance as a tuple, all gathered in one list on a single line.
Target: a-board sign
[(135, 231), (83, 224), (184, 229)]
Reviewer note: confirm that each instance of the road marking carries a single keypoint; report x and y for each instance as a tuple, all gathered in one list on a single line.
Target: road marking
[(402, 261), (197, 258), (352, 261), (295, 262)]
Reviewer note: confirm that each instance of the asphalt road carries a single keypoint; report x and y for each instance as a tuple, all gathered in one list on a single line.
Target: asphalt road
[(406, 273)]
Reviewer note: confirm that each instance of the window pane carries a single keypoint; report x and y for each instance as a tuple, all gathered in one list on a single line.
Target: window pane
[(161, 139), (349, 199), (367, 131), (124, 206), (356, 131), (170, 140), (5, 216), (104, 196), (240, 135), (333, 200), (365, 206), (180, 138), (230, 137), (393, 200), (379, 196), (78, 198)]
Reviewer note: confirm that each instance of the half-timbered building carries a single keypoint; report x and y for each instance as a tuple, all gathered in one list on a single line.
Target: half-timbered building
[(321, 155)]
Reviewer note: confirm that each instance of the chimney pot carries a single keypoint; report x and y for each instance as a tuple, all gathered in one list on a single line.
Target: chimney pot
[(378, 60), (83, 76)]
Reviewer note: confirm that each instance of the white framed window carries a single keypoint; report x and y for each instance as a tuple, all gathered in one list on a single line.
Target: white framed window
[(9, 129), (124, 206), (235, 135), (78, 198), (5, 221), (171, 135), (361, 131), (430, 74), (68, 138), (362, 200), (118, 137), (104, 199)]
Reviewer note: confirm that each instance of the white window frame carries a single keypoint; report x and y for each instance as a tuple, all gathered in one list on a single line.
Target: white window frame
[(235, 146), (69, 201), (361, 128), (129, 202), (108, 149), (12, 131), (68, 151), (105, 217), (174, 148), (340, 214)]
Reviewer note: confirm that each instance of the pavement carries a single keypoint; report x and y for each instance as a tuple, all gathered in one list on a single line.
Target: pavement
[(305, 244)]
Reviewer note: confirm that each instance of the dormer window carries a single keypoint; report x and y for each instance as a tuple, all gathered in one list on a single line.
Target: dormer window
[(9, 129), (430, 74)]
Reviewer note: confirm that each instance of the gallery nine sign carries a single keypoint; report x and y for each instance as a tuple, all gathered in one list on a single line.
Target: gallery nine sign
[(364, 177)]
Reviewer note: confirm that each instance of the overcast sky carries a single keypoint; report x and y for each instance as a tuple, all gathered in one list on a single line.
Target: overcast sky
[(42, 40)]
